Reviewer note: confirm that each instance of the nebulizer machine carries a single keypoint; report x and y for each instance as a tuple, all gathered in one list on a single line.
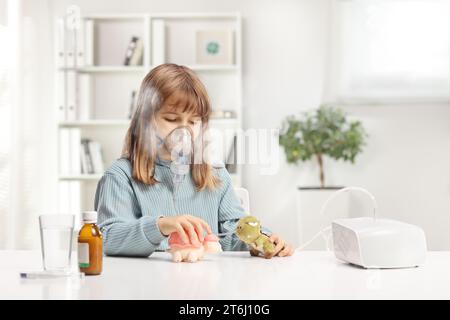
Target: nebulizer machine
[(373, 242)]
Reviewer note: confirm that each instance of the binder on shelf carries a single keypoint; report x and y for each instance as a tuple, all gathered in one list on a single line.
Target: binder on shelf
[(69, 151), (84, 96), (88, 42), (80, 44), (60, 88), (60, 44), (71, 98), (69, 44), (64, 151), (75, 149), (158, 45)]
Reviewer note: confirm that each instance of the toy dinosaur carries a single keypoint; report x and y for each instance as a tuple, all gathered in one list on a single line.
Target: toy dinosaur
[(190, 252), (249, 230)]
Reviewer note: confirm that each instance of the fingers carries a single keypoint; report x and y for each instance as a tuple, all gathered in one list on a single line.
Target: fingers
[(198, 225), (281, 248), (189, 227), (287, 251), (184, 237), (202, 225), (206, 226), (279, 244)]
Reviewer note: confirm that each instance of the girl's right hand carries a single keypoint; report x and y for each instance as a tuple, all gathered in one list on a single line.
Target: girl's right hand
[(187, 226)]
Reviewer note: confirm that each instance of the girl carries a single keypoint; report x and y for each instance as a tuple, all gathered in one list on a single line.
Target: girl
[(142, 198)]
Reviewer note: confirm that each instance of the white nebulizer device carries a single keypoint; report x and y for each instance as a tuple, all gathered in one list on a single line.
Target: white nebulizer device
[(371, 242)]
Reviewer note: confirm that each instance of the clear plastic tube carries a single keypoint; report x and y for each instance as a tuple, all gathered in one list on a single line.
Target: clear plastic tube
[(324, 229)]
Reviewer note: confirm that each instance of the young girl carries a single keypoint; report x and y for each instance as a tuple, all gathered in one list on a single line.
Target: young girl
[(139, 201)]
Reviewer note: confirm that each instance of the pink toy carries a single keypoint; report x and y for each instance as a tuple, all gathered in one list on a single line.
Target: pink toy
[(192, 252)]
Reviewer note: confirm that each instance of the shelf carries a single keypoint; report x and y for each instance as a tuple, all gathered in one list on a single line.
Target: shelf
[(115, 16), (101, 69), (164, 15), (124, 69), (81, 177), (195, 15), (94, 123), (213, 67)]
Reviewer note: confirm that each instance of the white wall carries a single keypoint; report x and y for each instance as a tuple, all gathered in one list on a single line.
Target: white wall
[(407, 161)]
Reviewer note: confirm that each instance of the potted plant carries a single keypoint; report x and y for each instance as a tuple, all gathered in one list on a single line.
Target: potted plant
[(325, 132)]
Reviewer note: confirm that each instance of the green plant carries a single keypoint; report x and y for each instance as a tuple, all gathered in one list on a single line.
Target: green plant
[(324, 132)]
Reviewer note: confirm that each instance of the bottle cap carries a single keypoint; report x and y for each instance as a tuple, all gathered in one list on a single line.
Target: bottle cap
[(90, 216)]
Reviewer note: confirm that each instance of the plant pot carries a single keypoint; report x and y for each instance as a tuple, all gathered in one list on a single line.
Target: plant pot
[(309, 203)]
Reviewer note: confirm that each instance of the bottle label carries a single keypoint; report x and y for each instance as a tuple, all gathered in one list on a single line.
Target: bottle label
[(83, 255)]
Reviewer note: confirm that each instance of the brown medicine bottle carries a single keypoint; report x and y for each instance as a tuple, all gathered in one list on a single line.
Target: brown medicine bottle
[(90, 245)]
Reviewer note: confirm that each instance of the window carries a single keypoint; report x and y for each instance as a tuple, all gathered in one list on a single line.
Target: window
[(389, 50)]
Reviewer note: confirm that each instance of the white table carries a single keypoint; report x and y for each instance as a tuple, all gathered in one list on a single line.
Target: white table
[(230, 275)]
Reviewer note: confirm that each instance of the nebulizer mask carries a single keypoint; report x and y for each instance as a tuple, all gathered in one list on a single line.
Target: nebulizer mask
[(179, 143)]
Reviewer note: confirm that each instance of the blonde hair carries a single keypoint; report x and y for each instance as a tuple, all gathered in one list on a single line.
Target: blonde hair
[(140, 145)]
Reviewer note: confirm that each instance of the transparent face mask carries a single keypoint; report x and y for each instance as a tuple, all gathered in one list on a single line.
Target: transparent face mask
[(180, 146)]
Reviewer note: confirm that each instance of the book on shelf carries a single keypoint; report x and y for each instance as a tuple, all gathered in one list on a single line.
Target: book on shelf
[(231, 160), (134, 53), (91, 157), (132, 106), (86, 160)]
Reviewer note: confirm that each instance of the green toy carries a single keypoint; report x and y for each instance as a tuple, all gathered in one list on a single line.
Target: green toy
[(249, 230)]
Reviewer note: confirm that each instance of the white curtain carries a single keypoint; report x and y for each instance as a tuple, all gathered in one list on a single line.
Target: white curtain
[(26, 121)]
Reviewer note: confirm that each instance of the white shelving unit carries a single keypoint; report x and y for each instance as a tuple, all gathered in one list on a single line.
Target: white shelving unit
[(97, 48)]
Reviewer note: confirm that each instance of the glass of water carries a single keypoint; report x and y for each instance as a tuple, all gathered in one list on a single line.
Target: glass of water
[(56, 241)]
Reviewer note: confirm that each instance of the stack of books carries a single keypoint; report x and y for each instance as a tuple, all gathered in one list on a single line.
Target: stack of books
[(91, 157)]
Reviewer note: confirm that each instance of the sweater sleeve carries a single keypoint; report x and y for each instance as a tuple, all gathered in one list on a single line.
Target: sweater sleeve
[(230, 211), (125, 231)]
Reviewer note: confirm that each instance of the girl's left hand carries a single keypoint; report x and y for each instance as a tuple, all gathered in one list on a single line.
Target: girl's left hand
[(282, 249)]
